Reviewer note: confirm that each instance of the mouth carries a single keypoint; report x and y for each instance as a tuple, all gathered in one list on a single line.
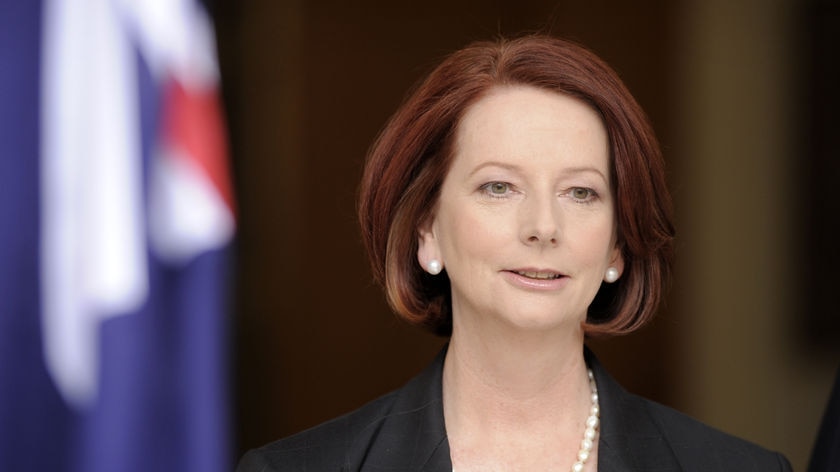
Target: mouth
[(538, 275)]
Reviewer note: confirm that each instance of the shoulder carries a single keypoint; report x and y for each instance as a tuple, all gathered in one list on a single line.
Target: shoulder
[(324, 447), (402, 430), (640, 434), (698, 446)]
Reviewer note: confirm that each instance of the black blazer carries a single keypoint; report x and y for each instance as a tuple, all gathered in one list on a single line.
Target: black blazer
[(404, 431), (825, 457)]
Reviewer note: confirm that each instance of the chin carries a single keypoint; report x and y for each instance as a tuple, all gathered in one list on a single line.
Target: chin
[(543, 322)]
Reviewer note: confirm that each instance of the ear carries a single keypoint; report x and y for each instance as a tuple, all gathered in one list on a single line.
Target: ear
[(427, 246)]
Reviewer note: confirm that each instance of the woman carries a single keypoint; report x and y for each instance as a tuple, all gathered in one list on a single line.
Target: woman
[(517, 203)]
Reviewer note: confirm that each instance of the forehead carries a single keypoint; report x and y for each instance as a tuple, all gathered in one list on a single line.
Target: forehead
[(527, 123)]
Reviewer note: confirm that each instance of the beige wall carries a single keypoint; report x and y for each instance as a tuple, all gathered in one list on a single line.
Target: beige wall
[(741, 257)]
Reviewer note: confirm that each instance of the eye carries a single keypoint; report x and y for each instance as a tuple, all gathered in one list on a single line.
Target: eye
[(582, 194), (496, 189)]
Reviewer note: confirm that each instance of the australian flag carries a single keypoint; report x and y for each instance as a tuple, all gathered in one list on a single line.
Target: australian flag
[(116, 213)]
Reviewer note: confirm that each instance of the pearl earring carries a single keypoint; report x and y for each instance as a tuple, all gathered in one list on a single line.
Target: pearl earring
[(435, 267), (611, 275)]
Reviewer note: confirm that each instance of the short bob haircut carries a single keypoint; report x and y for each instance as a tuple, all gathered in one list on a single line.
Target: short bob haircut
[(408, 162)]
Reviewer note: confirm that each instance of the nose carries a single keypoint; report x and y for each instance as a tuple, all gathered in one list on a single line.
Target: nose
[(540, 222)]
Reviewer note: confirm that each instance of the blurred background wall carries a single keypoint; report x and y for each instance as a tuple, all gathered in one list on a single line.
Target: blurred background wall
[(739, 93)]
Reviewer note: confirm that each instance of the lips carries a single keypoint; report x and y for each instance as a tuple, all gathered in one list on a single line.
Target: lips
[(538, 275)]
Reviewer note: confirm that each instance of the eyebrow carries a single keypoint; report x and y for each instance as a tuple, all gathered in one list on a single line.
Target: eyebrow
[(501, 165), (587, 170), (515, 168)]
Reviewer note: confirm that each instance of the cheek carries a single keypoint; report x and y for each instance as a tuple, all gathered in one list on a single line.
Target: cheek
[(473, 236), (595, 241)]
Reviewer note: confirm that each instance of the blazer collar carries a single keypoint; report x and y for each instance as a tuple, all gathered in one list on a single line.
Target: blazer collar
[(629, 439), (413, 434)]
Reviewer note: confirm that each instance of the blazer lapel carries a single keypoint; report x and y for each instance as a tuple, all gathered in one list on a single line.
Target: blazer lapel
[(629, 438), (413, 435)]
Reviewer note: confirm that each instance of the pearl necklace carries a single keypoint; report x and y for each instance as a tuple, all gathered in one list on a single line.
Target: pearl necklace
[(591, 431)]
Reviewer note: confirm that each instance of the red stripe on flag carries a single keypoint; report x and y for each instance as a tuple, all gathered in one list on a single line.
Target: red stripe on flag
[(192, 123)]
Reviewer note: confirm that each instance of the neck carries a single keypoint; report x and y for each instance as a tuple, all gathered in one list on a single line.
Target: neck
[(521, 375), (515, 397), (519, 363)]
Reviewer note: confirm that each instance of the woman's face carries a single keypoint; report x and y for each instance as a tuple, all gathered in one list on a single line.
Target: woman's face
[(525, 223)]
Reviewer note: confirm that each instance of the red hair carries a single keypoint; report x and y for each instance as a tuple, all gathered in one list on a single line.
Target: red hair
[(407, 164)]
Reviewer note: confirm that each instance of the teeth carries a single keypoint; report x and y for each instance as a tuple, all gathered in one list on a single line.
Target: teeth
[(539, 275)]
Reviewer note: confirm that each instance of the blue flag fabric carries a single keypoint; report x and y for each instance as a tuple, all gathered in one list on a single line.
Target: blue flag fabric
[(158, 399)]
